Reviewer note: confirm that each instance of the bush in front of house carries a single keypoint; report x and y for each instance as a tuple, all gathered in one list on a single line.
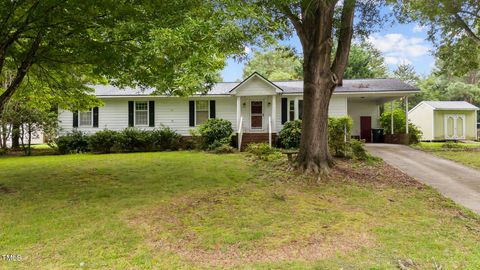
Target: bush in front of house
[(103, 141), (263, 151), (399, 127), (164, 139), (339, 128), (135, 140), (215, 132), (358, 149), (290, 134), (73, 142)]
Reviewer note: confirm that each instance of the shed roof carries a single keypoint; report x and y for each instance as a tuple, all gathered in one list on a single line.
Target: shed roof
[(451, 105)]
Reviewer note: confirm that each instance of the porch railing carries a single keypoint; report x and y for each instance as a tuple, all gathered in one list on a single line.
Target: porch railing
[(270, 131), (240, 133)]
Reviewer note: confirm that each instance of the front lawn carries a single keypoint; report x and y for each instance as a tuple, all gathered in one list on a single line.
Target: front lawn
[(465, 153), (184, 210)]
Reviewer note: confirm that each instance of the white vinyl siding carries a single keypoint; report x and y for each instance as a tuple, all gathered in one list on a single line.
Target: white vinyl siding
[(141, 113)]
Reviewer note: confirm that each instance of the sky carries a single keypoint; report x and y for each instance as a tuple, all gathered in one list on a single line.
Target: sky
[(399, 43)]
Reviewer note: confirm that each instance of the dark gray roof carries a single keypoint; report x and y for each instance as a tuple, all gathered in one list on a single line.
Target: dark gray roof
[(288, 87), (352, 86)]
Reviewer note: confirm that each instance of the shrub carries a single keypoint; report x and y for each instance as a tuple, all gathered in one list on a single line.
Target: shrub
[(338, 128), (103, 141), (290, 134), (358, 149), (215, 131), (414, 134), (131, 140), (74, 142), (398, 121), (263, 151), (224, 149), (165, 139), (452, 145)]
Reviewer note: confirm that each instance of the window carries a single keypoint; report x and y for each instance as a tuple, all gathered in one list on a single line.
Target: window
[(291, 110), (141, 113), (300, 109), (201, 111), (86, 118)]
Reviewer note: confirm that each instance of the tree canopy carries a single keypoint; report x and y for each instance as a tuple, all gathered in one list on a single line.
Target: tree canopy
[(175, 46), (283, 63), (454, 28)]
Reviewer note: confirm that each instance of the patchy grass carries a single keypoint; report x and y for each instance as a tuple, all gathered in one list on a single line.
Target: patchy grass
[(465, 153), (194, 210)]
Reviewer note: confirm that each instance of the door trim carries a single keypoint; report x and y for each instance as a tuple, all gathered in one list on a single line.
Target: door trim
[(262, 115), (455, 117)]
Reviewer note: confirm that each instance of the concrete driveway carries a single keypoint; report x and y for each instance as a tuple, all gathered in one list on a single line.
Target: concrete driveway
[(457, 182)]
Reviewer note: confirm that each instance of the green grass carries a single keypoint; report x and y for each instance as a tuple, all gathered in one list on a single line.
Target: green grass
[(184, 210), (465, 153), (436, 146)]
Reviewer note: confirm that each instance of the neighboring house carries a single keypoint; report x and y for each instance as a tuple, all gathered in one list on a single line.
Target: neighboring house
[(37, 137), (445, 120), (256, 104)]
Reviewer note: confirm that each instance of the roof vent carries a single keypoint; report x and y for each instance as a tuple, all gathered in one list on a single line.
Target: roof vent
[(362, 85)]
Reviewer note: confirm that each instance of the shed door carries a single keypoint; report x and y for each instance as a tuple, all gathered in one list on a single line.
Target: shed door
[(454, 126), (366, 128)]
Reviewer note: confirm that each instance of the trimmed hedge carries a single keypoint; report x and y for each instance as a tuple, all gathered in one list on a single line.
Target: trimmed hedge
[(127, 140)]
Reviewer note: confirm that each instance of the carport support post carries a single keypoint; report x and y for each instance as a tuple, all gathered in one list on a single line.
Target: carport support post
[(406, 114), (391, 117), (239, 112)]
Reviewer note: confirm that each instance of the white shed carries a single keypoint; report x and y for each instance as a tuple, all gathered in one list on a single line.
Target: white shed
[(445, 120)]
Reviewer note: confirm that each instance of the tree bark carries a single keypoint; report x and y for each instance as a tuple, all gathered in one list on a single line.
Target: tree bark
[(22, 70), (321, 76), (318, 86), (15, 136)]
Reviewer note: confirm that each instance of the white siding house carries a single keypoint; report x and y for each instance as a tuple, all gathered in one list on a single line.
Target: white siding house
[(256, 103)]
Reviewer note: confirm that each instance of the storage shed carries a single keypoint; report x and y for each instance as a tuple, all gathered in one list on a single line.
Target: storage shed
[(445, 120)]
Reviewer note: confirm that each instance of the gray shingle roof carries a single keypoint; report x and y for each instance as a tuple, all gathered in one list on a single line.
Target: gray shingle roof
[(289, 87), (451, 105)]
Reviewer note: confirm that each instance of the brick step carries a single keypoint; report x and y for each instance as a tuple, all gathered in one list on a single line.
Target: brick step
[(248, 138)]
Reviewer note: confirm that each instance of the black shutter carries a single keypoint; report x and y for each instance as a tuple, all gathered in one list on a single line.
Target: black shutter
[(130, 113), (95, 117), (75, 119), (212, 109), (284, 110), (151, 113), (191, 113)]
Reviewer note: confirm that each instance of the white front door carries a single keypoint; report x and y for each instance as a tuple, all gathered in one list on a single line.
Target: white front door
[(455, 126), (256, 115)]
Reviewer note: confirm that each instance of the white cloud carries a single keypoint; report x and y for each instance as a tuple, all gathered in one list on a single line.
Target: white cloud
[(418, 28), (247, 50), (398, 49)]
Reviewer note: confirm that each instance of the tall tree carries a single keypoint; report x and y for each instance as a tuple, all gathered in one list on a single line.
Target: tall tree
[(281, 63), (70, 44), (364, 61), (318, 24), (406, 73), (454, 29)]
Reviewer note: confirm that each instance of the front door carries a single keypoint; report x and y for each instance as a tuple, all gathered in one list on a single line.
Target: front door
[(366, 128), (256, 115), (455, 126)]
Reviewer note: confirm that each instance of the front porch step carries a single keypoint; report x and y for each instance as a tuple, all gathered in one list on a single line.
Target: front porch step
[(248, 138)]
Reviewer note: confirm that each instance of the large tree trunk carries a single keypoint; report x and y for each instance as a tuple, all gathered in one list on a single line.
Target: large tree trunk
[(314, 156)]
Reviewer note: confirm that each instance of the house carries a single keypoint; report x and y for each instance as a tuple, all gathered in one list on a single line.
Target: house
[(258, 106), (445, 120)]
